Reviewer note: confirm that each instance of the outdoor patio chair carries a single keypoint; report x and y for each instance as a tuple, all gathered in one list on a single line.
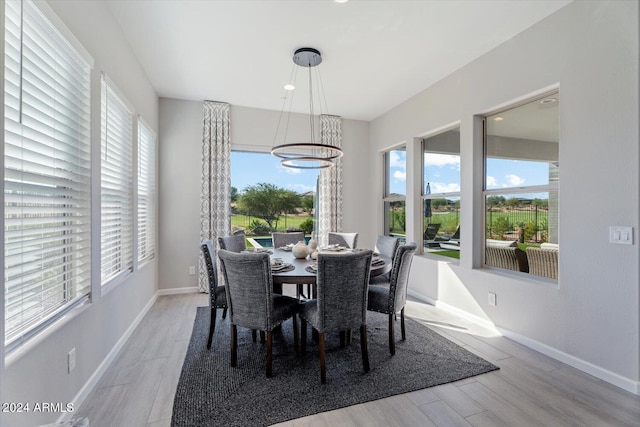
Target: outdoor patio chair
[(543, 262), (430, 235), (389, 300), (252, 303)]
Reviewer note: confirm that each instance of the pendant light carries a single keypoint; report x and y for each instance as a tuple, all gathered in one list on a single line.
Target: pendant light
[(309, 154)]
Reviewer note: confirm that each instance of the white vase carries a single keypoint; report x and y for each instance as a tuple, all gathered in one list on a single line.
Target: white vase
[(313, 244), (300, 250)]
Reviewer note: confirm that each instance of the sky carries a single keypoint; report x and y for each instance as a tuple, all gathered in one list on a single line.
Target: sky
[(442, 173), (252, 168)]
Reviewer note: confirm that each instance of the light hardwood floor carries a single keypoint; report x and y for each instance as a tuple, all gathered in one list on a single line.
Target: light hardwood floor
[(530, 389)]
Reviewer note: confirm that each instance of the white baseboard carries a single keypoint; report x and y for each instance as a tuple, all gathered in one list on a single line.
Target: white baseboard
[(97, 374), (591, 369), (176, 291), (582, 365)]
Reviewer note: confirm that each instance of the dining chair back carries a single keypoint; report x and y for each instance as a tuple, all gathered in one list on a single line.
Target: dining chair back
[(234, 243), (252, 303), (386, 246), (217, 294), (389, 300), (341, 303), (349, 240), (283, 239)]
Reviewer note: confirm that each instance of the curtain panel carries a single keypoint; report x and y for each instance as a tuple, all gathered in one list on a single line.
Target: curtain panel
[(330, 182), (215, 194)]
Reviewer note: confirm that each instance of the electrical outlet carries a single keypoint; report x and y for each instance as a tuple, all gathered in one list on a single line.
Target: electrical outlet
[(71, 360), (492, 299), (192, 270)]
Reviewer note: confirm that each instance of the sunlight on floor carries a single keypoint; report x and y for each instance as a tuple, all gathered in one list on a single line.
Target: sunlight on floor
[(429, 315)]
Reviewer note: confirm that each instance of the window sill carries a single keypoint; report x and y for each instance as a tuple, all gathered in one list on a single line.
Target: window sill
[(19, 352), (517, 275)]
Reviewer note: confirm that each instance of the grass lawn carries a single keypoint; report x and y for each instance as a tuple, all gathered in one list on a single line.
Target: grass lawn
[(285, 222)]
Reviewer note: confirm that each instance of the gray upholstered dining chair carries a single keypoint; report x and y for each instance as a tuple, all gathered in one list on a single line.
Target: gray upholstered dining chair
[(341, 303), (217, 294), (252, 303), (234, 243), (392, 298), (283, 239), (350, 240), (387, 246)]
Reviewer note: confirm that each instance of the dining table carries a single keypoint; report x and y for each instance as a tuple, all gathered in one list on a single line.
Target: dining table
[(301, 274)]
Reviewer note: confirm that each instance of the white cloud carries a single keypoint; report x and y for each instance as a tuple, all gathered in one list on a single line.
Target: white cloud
[(439, 187), (291, 170), (514, 180), (441, 160), (398, 159), (491, 182), (400, 176)]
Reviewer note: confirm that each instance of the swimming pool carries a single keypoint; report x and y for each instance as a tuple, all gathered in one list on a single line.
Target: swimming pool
[(266, 242)]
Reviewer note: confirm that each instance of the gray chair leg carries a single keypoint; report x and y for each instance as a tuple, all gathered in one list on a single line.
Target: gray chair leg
[(296, 338), (212, 327), (224, 313), (254, 335), (404, 335)]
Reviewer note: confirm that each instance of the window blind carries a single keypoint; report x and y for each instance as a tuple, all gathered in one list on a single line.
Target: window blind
[(46, 175), (146, 192), (116, 196)]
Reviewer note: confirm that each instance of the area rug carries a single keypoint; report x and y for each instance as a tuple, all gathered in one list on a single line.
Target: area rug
[(212, 393)]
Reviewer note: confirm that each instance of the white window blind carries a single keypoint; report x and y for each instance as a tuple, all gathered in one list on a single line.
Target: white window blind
[(146, 192), (116, 161), (46, 175)]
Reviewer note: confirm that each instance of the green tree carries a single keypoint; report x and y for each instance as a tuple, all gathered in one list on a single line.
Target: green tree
[(512, 202), (501, 225), (495, 200), (268, 202), (438, 204), (234, 194), (306, 202)]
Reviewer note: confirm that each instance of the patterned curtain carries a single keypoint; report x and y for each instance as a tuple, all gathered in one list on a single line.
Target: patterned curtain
[(330, 183), (215, 194)]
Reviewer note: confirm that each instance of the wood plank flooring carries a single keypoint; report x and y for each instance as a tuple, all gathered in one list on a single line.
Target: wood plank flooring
[(530, 389)]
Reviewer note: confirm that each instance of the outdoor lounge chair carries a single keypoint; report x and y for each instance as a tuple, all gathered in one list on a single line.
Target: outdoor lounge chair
[(430, 235)]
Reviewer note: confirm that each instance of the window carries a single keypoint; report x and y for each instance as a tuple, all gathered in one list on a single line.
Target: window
[(117, 186), (266, 197), (521, 186), (441, 193), (46, 174), (146, 192), (395, 191)]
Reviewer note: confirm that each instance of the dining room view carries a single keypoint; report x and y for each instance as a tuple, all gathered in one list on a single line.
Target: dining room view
[(327, 212)]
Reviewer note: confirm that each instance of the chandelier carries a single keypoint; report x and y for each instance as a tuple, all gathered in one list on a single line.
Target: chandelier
[(311, 154)]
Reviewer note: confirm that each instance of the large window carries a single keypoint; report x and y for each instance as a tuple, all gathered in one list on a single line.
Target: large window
[(146, 192), (521, 187), (266, 197), (441, 193), (46, 174), (116, 160), (395, 192)]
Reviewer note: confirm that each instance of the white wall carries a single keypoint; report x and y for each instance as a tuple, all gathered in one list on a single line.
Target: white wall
[(591, 317), (39, 374), (251, 129)]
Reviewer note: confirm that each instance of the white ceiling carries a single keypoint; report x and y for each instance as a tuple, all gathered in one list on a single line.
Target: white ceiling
[(376, 54)]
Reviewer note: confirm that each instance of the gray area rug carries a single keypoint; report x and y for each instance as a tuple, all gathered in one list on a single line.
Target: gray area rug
[(212, 393)]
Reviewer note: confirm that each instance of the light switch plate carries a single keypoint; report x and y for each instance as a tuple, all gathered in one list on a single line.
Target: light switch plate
[(621, 235)]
